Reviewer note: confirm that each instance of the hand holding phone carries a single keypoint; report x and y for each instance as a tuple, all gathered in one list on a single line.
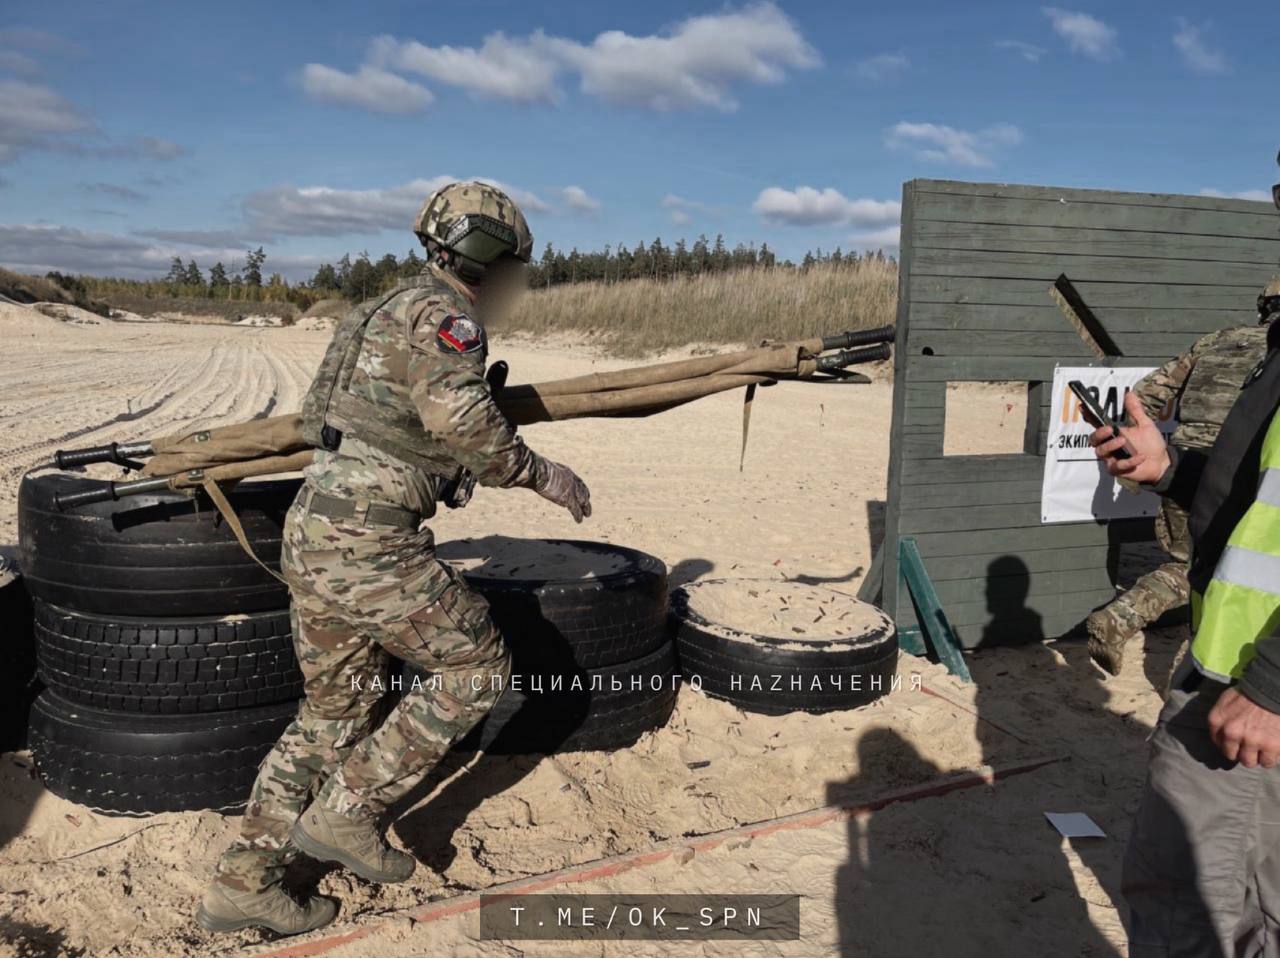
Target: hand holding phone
[(1095, 416)]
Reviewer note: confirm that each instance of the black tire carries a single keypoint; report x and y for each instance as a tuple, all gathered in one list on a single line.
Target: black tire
[(567, 623), (167, 666), (119, 763), (161, 554), (526, 721), (757, 673), (18, 677)]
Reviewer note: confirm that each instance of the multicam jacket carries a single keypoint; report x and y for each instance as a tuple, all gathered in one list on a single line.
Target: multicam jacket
[(1204, 382), (403, 383)]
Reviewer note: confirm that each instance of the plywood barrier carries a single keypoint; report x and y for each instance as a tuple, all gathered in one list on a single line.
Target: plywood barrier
[(977, 264)]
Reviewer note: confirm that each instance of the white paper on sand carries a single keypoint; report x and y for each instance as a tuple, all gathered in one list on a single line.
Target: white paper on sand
[(1074, 825)]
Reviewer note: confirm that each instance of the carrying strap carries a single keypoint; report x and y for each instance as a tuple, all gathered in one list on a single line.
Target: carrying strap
[(747, 400), (223, 505)]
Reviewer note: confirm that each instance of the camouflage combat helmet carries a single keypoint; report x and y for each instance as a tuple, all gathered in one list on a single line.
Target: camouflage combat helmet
[(1269, 301), (476, 221)]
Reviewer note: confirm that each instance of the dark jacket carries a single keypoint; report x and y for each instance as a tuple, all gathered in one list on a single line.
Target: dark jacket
[(1218, 487)]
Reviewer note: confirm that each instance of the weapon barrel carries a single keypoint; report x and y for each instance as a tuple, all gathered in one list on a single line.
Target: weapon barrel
[(117, 452), (111, 491), (852, 357), (861, 337)]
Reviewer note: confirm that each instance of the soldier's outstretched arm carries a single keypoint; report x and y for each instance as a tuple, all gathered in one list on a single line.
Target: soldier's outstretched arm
[(448, 388)]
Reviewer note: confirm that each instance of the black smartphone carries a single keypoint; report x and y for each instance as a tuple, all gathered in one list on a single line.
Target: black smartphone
[(1094, 415)]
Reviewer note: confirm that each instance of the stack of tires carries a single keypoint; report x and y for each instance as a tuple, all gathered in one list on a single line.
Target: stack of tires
[(165, 652), (842, 661), (17, 679), (593, 663)]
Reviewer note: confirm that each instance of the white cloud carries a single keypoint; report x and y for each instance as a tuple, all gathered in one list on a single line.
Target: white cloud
[(681, 210), (580, 201), (1083, 33), (159, 148), (1028, 51), (932, 141), (115, 191), (1263, 196), (14, 62), (806, 206), (369, 87), (40, 248), (35, 116), (888, 238), (695, 64), (520, 70), (326, 211), (882, 68), (1190, 43)]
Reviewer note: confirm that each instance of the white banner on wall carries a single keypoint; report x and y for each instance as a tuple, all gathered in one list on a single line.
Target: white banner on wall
[(1076, 486)]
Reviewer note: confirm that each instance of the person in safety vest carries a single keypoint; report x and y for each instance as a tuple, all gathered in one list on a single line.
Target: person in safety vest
[(399, 412), (1202, 870), (1200, 386)]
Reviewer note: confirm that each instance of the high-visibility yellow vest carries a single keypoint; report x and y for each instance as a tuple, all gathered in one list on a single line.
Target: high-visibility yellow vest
[(1242, 602)]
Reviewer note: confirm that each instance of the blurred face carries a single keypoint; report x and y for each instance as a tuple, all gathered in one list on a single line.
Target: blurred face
[(505, 281)]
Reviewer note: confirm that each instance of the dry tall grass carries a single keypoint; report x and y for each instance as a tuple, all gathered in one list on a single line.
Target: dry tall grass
[(645, 316)]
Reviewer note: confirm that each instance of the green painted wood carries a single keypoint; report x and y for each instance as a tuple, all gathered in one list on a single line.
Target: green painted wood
[(970, 518), (900, 447), (1158, 271), (976, 318), (1064, 344), (946, 568), (873, 582), (1088, 241), (1030, 585), (1046, 267), (929, 612), (1005, 368), (1020, 541), (1254, 221), (1100, 296), (925, 188), (995, 492), (1014, 467), (1029, 626), (911, 641)]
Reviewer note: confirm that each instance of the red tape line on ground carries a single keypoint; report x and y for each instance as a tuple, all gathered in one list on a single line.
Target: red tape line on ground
[(607, 867)]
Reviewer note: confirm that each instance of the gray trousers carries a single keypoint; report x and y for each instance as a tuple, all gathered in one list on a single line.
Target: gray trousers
[(1202, 870)]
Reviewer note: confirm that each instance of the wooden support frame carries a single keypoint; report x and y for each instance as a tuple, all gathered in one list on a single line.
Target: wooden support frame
[(978, 261)]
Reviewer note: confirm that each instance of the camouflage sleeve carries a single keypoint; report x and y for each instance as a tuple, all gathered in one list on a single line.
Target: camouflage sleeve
[(1160, 387), (447, 386)]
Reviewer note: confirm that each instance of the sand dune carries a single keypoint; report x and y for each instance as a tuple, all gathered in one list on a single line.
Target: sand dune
[(973, 873)]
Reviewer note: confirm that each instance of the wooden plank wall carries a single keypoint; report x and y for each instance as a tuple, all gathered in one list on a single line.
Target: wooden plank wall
[(977, 262)]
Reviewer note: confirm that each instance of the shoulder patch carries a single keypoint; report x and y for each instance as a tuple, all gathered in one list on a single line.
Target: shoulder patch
[(459, 334)]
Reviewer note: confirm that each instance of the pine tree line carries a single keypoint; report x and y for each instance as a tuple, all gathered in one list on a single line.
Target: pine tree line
[(362, 277)]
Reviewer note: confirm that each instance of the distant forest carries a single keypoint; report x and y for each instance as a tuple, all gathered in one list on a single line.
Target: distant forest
[(359, 278)]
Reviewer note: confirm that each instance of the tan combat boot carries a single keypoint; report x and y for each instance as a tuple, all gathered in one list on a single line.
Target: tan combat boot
[(1107, 639), (355, 842), (227, 909)]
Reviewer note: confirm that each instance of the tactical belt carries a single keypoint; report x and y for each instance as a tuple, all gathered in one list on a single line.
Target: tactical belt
[(360, 511)]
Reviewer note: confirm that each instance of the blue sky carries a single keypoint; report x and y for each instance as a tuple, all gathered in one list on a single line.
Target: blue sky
[(134, 131)]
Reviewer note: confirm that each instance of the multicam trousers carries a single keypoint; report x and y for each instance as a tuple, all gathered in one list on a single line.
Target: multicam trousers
[(359, 596), (1158, 591)]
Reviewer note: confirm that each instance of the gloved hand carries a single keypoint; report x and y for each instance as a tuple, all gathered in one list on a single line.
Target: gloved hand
[(559, 484)]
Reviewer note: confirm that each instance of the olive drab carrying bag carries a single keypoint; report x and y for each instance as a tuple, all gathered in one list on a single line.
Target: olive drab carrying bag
[(286, 443)]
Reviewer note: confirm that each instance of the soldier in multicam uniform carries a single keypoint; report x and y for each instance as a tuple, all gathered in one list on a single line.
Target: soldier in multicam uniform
[(1203, 382), (399, 409)]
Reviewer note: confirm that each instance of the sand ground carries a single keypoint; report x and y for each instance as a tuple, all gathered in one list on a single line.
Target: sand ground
[(974, 872)]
